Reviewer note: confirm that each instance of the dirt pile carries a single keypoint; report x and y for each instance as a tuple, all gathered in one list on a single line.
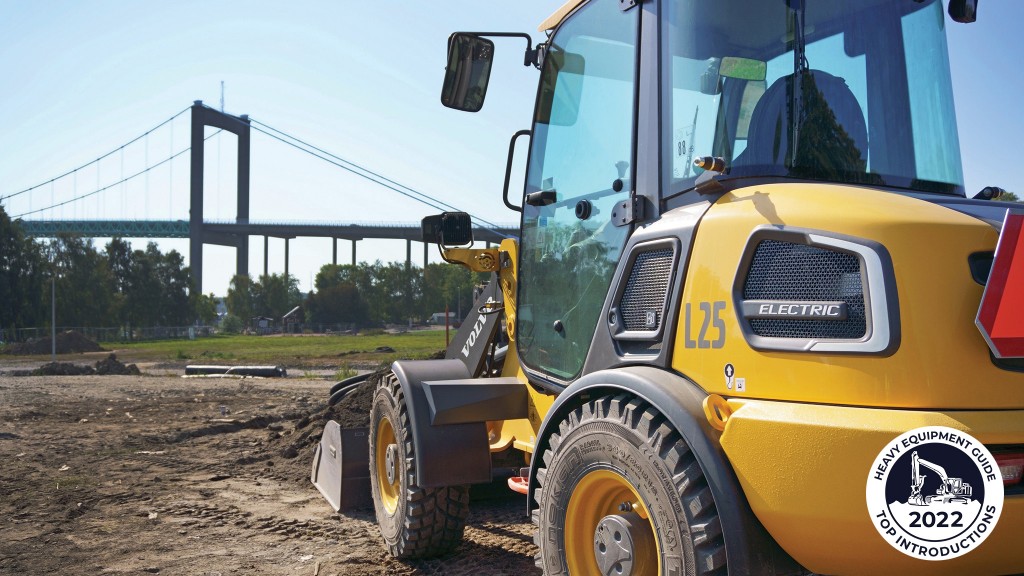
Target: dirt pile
[(68, 342), (109, 365), (62, 369), (353, 411)]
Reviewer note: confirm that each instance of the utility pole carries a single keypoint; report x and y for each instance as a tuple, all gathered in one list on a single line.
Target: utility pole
[(53, 319)]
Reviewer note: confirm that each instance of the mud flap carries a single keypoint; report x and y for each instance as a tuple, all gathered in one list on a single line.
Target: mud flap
[(341, 467)]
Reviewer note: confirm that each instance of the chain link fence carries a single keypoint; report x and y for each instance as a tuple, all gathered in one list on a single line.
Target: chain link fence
[(111, 334)]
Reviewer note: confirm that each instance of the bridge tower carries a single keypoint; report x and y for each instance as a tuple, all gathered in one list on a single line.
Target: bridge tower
[(203, 116)]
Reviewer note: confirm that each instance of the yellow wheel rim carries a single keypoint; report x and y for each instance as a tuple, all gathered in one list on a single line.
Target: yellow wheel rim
[(598, 494), (385, 454)]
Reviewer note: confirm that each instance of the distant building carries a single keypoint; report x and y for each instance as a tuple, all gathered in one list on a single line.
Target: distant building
[(292, 321), (262, 325), (438, 318)]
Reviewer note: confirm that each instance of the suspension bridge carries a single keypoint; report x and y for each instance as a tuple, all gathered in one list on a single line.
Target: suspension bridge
[(41, 222)]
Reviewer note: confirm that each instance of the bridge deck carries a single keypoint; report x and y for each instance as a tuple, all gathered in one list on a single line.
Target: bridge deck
[(181, 229)]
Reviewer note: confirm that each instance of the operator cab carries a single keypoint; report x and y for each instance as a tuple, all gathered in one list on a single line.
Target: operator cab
[(853, 92)]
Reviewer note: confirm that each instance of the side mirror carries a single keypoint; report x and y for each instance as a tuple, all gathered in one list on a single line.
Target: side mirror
[(467, 73), (963, 11), (448, 229)]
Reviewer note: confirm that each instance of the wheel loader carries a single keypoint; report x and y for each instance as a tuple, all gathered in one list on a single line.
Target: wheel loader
[(749, 283)]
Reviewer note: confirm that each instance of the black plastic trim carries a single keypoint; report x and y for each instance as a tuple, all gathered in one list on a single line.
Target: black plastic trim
[(445, 455), (749, 548), (677, 228), (980, 264), (475, 400), (621, 281)]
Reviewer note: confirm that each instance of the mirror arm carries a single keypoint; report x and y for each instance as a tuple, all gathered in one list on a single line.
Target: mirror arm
[(508, 168), (533, 56)]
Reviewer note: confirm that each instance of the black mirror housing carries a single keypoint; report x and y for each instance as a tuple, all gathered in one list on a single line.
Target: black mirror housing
[(468, 71), (963, 11), (448, 229)]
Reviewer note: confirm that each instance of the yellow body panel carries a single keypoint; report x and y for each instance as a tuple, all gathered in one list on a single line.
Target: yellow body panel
[(942, 361), (804, 469)]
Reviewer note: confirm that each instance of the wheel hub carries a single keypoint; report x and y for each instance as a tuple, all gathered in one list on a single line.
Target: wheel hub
[(615, 543), (390, 462)]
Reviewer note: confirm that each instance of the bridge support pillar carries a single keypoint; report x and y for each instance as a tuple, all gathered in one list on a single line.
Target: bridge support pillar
[(266, 247), (426, 253), (408, 255), (242, 255), (202, 116), (286, 259), (334, 244), (353, 252)]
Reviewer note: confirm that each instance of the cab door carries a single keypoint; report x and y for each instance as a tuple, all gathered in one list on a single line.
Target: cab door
[(580, 168)]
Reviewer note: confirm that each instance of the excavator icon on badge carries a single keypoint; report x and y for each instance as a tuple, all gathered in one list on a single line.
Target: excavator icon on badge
[(951, 490)]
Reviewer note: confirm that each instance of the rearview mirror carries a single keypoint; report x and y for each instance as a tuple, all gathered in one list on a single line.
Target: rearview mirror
[(448, 229), (743, 68), (467, 73)]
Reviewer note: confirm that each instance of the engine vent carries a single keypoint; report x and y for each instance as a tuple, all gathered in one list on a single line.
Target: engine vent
[(787, 272), (643, 301)]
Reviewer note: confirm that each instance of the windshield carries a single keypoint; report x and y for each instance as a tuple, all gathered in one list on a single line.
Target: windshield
[(849, 91)]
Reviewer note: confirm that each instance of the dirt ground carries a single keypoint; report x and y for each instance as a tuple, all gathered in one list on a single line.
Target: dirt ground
[(158, 474)]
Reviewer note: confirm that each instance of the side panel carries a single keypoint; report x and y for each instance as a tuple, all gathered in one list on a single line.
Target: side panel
[(942, 360), (803, 468), (749, 548)]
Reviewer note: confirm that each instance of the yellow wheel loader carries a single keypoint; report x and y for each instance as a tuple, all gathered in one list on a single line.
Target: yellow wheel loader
[(749, 293)]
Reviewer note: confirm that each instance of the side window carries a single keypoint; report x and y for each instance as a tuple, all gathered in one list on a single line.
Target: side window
[(581, 157)]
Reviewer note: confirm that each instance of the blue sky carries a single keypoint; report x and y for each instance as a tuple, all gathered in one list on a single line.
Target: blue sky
[(360, 79)]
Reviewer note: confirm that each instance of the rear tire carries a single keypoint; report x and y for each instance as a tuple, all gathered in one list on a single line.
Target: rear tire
[(415, 522), (616, 466)]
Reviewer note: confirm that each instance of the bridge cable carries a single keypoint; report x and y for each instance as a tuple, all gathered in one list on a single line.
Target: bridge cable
[(69, 172), (356, 169), (109, 186)]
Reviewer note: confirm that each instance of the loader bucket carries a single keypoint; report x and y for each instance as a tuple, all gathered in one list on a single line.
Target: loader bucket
[(341, 468)]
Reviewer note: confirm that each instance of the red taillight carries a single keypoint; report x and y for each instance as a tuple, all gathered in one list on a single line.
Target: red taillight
[(1010, 467)]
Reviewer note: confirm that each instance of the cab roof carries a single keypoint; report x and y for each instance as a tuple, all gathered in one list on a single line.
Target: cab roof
[(559, 15)]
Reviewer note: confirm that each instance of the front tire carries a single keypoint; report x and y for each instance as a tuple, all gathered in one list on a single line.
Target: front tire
[(415, 522), (622, 494)]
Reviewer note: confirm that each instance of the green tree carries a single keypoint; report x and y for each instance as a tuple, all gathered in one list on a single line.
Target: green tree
[(1008, 197), (449, 285), (24, 278), (85, 286), (338, 298), (174, 280), (398, 290), (240, 301), (205, 307), (275, 295)]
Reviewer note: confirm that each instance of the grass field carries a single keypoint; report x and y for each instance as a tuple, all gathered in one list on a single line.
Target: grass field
[(311, 350)]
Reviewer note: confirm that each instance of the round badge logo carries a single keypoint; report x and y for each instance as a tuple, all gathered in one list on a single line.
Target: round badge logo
[(934, 493)]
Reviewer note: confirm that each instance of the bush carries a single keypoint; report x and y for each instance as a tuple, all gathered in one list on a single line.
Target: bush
[(345, 371), (232, 324)]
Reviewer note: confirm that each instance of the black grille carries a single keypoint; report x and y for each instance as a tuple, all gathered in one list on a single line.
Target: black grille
[(787, 271), (646, 290)]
